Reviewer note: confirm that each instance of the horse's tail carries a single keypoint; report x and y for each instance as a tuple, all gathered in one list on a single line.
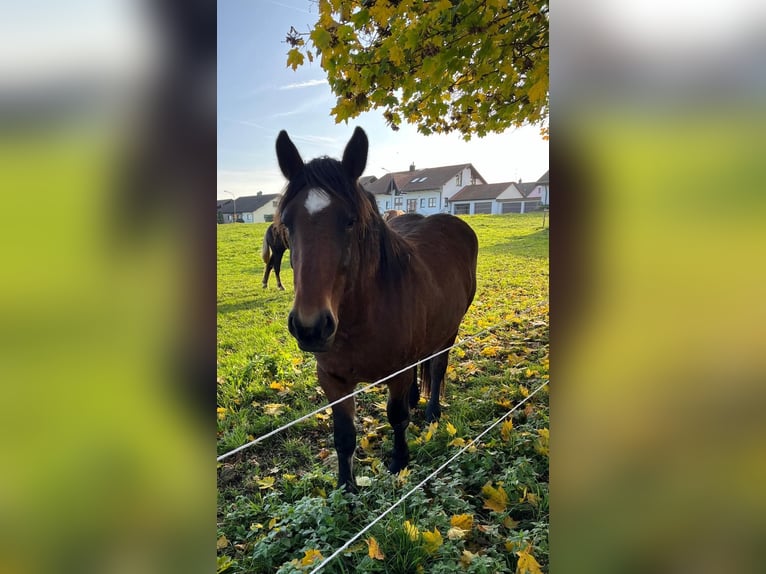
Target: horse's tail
[(425, 380), (265, 250)]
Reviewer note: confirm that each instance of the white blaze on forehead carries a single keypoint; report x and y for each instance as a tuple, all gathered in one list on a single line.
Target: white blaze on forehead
[(316, 200)]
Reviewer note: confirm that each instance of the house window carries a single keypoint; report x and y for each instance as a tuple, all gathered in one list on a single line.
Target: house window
[(446, 201), (422, 202), (398, 202), (274, 203), (249, 217), (388, 205), (431, 202), (412, 205), (459, 179)]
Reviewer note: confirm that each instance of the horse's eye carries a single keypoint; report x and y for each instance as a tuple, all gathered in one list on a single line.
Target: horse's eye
[(350, 222)]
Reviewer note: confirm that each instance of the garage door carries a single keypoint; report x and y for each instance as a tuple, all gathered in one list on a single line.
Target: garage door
[(512, 207), (483, 207), (462, 208)]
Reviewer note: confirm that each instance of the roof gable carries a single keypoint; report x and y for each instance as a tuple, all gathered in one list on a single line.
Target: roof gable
[(419, 179), (480, 191)]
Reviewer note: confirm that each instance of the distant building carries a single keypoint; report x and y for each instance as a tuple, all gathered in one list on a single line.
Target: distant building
[(496, 198), (248, 208), (425, 191)]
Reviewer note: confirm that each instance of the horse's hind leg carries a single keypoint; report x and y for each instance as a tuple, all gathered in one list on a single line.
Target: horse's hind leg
[(438, 367), (398, 410), (269, 265), (277, 258)]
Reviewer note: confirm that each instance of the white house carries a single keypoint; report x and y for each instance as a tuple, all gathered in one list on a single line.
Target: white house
[(544, 183), (425, 191), (248, 208), (496, 198)]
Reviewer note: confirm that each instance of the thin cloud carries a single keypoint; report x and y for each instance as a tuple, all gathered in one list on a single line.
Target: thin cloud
[(306, 84), (314, 139)]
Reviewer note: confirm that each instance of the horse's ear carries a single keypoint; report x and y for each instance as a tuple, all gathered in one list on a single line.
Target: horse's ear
[(355, 154), (290, 161)]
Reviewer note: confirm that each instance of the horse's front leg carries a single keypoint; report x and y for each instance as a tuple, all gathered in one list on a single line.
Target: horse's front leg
[(398, 410), (344, 431)]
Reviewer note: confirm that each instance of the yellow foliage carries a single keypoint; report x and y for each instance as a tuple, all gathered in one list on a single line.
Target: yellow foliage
[(222, 542), (497, 499), (490, 351), (455, 533), (457, 442), (294, 58), (401, 477), (451, 430), (373, 549)]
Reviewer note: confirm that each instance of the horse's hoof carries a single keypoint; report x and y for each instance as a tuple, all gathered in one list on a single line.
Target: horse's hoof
[(280, 288), (433, 414), (397, 465), (263, 285), (349, 486)]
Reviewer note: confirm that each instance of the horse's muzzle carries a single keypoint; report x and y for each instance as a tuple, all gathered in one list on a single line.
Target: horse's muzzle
[(314, 335)]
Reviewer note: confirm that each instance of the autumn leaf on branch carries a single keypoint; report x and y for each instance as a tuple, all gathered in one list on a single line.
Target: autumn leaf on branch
[(472, 67)]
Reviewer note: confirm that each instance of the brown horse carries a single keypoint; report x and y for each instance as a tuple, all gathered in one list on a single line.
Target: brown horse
[(275, 244), (370, 297), (391, 213)]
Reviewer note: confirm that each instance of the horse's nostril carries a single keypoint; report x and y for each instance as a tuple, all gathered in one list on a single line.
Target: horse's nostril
[(291, 323), (328, 325)]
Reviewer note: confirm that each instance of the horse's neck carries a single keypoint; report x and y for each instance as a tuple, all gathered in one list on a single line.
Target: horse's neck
[(389, 255)]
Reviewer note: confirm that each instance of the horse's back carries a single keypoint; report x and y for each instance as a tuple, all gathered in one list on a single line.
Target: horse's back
[(446, 250), (438, 234)]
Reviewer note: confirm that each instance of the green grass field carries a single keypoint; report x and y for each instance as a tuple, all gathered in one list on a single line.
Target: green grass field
[(278, 509)]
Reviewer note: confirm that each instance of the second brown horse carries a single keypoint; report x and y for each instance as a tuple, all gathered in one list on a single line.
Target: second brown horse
[(370, 297)]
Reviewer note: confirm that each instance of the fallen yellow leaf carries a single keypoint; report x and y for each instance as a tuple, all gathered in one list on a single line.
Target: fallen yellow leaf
[(455, 533), (527, 563), (273, 409), (462, 521), (373, 549), (311, 556), (431, 430), (451, 430), (266, 482), (432, 540), (505, 430), (497, 499), (222, 542), (411, 530), (466, 558)]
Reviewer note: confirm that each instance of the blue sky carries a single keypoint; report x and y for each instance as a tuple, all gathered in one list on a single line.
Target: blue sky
[(258, 96)]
